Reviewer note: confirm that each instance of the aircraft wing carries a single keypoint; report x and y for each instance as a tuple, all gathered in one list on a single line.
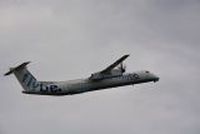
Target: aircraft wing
[(116, 63)]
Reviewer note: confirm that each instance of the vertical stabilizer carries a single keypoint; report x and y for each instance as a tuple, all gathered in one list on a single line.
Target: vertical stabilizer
[(25, 78)]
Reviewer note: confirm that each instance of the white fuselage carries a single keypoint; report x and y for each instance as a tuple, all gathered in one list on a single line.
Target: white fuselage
[(85, 85)]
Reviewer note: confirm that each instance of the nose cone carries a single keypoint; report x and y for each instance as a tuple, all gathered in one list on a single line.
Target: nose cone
[(156, 79), (148, 76)]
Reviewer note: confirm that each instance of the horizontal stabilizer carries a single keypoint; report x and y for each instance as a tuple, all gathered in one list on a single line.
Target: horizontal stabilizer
[(12, 69)]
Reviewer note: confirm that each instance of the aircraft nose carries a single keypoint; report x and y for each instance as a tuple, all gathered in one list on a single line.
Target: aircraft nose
[(156, 79)]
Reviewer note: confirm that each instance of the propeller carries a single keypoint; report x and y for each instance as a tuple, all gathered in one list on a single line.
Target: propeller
[(122, 67)]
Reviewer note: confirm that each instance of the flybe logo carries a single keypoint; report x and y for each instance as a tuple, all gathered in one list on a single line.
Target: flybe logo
[(33, 84), (30, 81)]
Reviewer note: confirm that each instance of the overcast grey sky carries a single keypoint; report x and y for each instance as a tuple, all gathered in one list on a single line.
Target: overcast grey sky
[(69, 39)]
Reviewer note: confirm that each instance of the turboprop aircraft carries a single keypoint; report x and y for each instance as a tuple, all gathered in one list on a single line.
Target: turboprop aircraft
[(108, 78)]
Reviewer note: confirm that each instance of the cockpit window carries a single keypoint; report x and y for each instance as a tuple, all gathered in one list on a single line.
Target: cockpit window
[(146, 71)]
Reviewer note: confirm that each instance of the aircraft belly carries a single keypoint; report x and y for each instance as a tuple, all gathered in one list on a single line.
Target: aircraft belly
[(93, 85), (109, 84)]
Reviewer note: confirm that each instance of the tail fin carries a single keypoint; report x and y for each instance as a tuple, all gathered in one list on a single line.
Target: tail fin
[(25, 78)]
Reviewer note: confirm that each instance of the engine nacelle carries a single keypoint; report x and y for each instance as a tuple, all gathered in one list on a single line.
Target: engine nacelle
[(100, 76)]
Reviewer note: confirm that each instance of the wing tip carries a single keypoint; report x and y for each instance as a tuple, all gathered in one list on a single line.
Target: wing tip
[(127, 55)]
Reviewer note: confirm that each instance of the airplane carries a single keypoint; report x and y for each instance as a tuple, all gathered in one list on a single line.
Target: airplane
[(110, 77)]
